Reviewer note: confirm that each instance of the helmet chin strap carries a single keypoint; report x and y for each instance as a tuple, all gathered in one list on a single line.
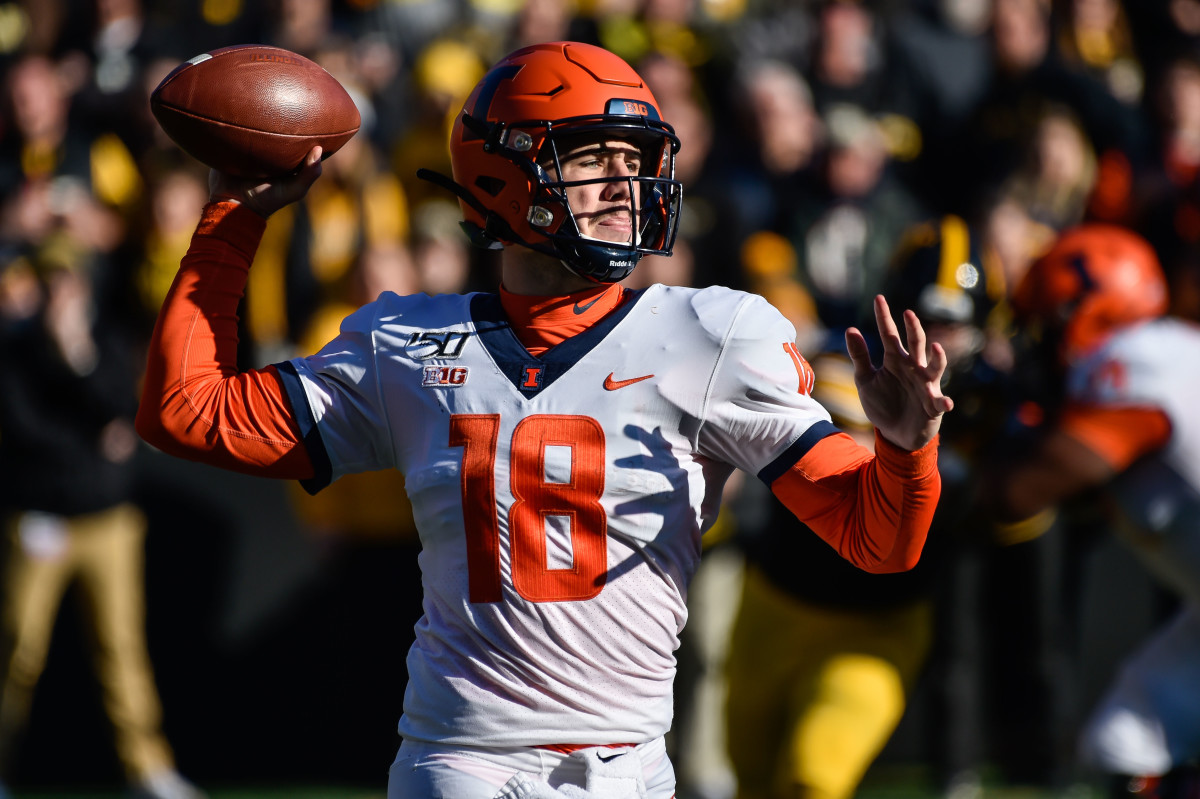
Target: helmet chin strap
[(601, 264), (596, 259)]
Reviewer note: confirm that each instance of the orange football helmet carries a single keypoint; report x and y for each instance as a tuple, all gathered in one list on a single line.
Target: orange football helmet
[(511, 127), (1095, 279)]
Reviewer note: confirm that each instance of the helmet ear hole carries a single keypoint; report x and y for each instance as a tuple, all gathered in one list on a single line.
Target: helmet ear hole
[(491, 186)]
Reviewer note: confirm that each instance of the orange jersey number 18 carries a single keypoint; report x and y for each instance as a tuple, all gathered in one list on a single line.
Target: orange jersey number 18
[(535, 498)]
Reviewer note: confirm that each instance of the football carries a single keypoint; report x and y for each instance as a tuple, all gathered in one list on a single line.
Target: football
[(253, 110)]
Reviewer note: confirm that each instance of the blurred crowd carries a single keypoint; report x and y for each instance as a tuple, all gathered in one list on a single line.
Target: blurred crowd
[(829, 146)]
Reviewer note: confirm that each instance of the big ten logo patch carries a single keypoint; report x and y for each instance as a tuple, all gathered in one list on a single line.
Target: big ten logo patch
[(444, 376), (641, 109), (436, 344)]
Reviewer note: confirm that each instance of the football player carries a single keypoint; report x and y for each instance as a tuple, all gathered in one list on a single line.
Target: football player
[(824, 657), (564, 440), (1127, 425)]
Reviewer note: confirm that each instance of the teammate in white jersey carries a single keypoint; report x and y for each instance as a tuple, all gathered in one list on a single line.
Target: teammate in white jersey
[(1128, 423), (565, 440)]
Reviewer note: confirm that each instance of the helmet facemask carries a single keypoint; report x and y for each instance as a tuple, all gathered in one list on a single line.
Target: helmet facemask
[(654, 198), (507, 150)]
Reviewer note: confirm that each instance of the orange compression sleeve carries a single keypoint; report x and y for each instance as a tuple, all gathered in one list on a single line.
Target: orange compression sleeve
[(875, 510), (195, 404)]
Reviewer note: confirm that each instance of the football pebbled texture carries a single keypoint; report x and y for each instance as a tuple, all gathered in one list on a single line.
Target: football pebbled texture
[(253, 110)]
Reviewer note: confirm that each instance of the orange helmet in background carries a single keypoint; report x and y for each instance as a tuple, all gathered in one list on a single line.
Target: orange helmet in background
[(509, 134), (1095, 279)]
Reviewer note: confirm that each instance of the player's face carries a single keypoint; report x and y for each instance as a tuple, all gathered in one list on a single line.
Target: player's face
[(603, 210)]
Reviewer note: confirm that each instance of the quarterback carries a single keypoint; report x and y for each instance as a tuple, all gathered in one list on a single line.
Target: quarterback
[(565, 440)]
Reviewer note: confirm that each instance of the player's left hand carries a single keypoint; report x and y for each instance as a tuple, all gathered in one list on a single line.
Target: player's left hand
[(903, 397)]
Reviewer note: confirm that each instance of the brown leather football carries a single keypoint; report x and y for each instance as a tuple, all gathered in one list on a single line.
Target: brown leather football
[(253, 110)]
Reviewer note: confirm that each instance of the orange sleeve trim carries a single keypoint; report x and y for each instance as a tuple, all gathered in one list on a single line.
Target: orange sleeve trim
[(195, 403), (875, 510), (1118, 435)]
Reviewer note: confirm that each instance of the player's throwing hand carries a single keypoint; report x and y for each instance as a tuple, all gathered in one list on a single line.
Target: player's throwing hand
[(266, 196), (903, 397)]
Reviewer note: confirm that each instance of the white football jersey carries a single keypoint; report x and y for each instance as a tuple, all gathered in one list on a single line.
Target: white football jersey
[(1147, 720), (560, 499), (1155, 365)]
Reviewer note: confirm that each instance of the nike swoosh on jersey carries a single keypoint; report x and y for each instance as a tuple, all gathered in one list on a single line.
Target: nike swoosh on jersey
[(583, 308), (613, 385)]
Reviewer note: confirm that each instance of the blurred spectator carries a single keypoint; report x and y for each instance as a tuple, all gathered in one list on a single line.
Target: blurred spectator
[(1162, 32), (1094, 36), (1056, 178), (850, 60), (443, 75), (180, 29), (847, 227), (1171, 216), (1015, 236), (634, 28), (410, 25), (55, 174), (940, 47), (379, 70), (124, 39), (1028, 77), (776, 30), (175, 196), (770, 144), (441, 255), (67, 463), (33, 28), (542, 21), (301, 26), (854, 64)]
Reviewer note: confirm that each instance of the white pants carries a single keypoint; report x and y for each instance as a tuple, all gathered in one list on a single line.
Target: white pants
[(1149, 721), (441, 771)]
